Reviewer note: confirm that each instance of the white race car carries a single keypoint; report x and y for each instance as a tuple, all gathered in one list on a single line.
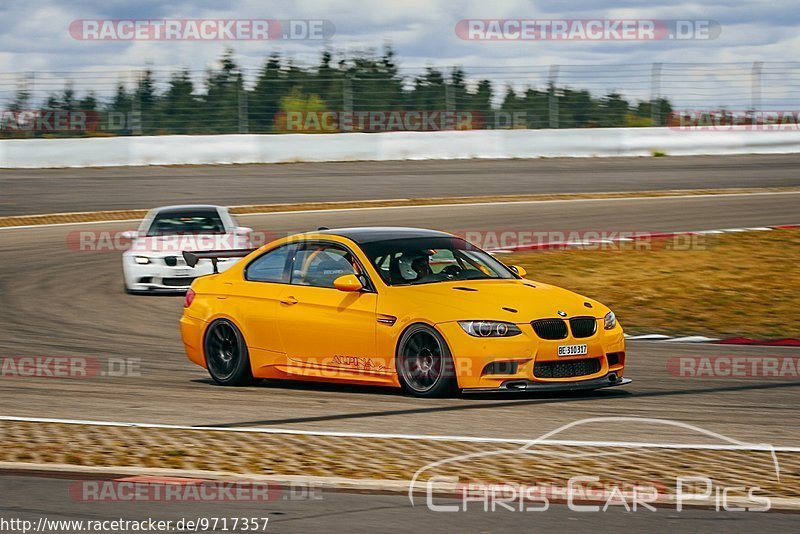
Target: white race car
[(154, 262)]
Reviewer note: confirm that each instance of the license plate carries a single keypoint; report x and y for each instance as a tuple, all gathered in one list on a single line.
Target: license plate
[(182, 272), (571, 350)]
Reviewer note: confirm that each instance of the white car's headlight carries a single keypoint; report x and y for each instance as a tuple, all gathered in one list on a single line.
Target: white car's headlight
[(141, 260), (609, 321), (490, 328)]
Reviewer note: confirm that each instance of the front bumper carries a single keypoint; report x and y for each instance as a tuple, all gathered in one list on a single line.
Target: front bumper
[(529, 363), (157, 276)]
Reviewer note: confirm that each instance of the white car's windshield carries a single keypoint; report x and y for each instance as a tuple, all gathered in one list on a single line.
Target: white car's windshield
[(427, 260), (173, 222)]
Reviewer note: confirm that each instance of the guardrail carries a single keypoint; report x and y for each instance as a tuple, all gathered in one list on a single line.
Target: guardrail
[(491, 144)]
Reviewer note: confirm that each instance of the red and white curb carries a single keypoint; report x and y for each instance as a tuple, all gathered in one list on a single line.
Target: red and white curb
[(782, 342), (636, 237)]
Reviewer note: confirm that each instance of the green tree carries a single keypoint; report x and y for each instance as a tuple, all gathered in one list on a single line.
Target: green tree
[(614, 109), (223, 97), (68, 101), (21, 99), (144, 100), (178, 108), (537, 108), (88, 102), (264, 100), (374, 81), (576, 109), (429, 92)]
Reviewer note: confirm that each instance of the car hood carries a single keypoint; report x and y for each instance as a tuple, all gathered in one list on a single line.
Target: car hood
[(518, 301), (175, 244)]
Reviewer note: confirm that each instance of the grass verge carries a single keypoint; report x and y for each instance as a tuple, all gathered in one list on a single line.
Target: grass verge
[(723, 285)]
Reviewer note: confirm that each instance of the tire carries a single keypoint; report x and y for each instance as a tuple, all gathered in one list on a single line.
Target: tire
[(225, 352), (424, 363)]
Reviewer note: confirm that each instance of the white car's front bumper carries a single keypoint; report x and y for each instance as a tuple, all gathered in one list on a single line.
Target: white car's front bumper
[(164, 273)]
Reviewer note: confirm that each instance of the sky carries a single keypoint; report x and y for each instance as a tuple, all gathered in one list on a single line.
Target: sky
[(36, 37)]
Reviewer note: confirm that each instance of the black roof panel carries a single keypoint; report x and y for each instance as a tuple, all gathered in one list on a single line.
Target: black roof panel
[(382, 233)]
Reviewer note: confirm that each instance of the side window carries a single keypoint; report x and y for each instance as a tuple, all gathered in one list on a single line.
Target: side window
[(270, 267), (319, 265)]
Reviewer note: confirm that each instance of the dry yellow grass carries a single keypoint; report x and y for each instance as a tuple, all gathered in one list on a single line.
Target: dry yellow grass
[(728, 285)]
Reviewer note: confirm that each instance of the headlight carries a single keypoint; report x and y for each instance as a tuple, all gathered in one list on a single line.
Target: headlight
[(490, 328), (141, 260), (610, 321)]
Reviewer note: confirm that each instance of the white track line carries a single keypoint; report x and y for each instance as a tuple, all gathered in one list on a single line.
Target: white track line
[(661, 338), (424, 206), (463, 439), (690, 339)]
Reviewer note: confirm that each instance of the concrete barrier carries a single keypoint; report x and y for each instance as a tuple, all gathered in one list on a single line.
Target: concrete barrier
[(500, 144)]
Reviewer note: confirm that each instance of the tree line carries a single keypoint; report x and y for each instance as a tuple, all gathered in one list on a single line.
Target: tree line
[(362, 83)]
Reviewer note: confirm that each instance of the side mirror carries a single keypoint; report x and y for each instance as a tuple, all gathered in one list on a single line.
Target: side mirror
[(129, 234), (349, 283), (242, 230), (519, 270)]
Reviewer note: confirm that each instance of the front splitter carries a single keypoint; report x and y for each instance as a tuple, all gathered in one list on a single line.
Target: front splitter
[(530, 385)]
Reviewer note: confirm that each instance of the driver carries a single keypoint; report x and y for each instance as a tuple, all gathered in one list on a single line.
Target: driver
[(421, 266)]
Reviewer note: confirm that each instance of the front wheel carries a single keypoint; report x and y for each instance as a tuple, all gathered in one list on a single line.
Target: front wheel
[(424, 363), (227, 359)]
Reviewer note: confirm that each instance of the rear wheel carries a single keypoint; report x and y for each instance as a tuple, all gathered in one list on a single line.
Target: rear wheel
[(424, 363), (227, 359)]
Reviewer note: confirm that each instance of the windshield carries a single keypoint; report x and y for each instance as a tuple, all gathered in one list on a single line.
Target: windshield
[(186, 222), (426, 260)]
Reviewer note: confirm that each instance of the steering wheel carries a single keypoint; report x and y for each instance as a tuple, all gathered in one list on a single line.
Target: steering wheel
[(452, 270)]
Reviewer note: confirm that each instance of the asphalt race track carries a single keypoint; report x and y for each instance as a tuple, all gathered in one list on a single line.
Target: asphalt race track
[(32, 191), (60, 301)]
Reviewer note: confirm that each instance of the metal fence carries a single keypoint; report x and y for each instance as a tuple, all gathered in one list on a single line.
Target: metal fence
[(374, 95)]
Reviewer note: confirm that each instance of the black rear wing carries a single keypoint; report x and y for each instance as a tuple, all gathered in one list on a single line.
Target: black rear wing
[(192, 258)]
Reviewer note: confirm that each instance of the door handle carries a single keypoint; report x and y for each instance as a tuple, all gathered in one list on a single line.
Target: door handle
[(289, 300)]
